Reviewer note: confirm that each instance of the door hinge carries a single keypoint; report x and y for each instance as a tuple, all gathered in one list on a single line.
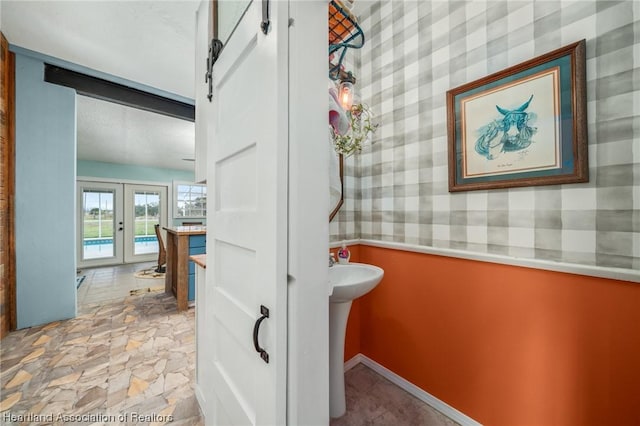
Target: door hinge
[(215, 47), (264, 25)]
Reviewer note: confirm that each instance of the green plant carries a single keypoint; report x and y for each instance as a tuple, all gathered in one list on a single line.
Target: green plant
[(361, 130)]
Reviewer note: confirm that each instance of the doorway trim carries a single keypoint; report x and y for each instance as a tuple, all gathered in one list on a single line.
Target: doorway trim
[(7, 189)]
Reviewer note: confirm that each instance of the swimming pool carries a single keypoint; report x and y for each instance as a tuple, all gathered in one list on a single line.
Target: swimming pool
[(138, 239), (97, 248)]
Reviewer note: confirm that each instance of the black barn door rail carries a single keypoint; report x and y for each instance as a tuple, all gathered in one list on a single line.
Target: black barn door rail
[(99, 88)]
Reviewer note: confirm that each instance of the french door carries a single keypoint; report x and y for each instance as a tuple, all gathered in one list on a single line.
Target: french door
[(116, 222), (144, 207)]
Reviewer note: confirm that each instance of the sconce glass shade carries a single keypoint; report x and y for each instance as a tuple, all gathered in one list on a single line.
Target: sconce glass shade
[(345, 95)]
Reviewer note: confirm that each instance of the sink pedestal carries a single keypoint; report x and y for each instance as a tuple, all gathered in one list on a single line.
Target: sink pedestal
[(338, 315), (347, 282)]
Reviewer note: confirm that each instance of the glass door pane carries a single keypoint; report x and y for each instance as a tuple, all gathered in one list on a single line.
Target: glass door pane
[(146, 215), (145, 206), (98, 224), (228, 14)]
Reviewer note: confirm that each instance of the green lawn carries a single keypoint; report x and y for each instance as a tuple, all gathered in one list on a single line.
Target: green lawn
[(146, 228), (91, 228)]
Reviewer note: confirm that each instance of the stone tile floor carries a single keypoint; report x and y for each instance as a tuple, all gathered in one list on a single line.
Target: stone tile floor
[(372, 400), (111, 283), (130, 360), (126, 362)]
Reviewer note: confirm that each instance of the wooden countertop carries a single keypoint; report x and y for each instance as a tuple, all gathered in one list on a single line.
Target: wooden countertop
[(186, 230), (199, 259)]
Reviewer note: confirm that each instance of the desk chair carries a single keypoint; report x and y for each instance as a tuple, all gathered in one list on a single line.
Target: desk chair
[(162, 253)]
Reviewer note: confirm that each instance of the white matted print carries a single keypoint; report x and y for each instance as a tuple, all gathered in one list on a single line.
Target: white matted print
[(513, 128)]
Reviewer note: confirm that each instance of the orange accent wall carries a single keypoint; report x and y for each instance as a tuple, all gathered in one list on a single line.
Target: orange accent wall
[(505, 345)]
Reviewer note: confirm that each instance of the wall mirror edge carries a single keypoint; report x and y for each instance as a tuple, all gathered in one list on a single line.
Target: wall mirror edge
[(334, 212)]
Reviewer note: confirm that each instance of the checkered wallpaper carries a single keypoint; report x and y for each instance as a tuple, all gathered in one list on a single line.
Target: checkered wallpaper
[(397, 188)]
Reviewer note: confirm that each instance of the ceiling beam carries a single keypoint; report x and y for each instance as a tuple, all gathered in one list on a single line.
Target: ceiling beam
[(113, 92)]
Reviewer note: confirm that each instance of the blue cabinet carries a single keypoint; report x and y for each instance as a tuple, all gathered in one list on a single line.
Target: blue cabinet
[(197, 245)]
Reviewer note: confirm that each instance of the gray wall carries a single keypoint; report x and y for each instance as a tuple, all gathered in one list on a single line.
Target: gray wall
[(45, 197), (398, 187)]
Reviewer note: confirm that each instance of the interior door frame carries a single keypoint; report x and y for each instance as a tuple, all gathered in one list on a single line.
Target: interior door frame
[(7, 188), (308, 246)]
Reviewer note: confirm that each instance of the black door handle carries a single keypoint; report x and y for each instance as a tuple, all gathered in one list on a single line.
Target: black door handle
[(256, 330), (264, 25)]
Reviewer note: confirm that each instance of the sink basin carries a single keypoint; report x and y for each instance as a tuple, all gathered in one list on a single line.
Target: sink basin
[(352, 280), (347, 282)]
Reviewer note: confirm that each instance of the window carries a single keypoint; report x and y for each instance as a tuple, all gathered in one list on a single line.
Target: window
[(191, 200)]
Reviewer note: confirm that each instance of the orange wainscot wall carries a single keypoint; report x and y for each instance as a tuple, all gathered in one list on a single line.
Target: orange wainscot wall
[(505, 345)]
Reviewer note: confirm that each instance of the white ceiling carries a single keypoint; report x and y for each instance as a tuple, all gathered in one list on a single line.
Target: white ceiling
[(149, 42), (117, 134), (144, 41)]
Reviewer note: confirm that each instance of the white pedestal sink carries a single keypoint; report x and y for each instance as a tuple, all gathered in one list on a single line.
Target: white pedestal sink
[(346, 282)]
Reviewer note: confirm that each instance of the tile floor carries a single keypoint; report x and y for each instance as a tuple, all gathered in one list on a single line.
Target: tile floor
[(372, 400), (111, 283), (129, 360), (124, 359)]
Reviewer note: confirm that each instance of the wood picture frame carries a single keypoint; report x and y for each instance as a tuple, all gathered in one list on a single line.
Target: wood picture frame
[(523, 126)]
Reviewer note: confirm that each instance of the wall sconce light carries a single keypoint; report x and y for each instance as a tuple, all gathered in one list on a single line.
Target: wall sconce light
[(345, 92)]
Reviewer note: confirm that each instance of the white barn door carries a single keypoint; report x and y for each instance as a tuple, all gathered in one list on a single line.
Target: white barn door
[(247, 224)]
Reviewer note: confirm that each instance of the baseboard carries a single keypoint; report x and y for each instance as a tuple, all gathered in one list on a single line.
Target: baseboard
[(414, 390), (353, 362)]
